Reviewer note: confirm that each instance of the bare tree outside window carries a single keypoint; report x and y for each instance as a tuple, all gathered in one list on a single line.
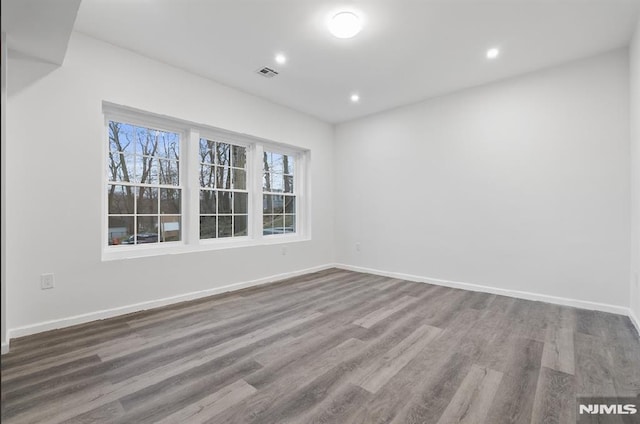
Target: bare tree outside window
[(223, 190), (144, 195), (278, 199)]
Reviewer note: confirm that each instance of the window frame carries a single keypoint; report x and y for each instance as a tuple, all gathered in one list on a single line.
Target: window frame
[(190, 134)]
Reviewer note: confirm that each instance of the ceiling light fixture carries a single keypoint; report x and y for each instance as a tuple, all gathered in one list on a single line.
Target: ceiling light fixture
[(355, 98), (281, 59), (345, 25), (493, 53)]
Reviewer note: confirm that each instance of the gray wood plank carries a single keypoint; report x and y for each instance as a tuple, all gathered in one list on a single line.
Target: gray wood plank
[(375, 317), (471, 402), (106, 413), (515, 396), (594, 367), (377, 374), (558, 350), (555, 401), (210, 406)]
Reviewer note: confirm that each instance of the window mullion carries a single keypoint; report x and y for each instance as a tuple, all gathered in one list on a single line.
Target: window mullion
[(256, 184), (301, 190), (193, 187)]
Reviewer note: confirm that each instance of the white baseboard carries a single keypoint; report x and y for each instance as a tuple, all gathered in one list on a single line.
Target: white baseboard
[(583, 304), (109, 313), (635, 321)]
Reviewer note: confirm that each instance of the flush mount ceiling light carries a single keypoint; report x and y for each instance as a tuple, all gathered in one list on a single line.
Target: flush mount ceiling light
[(345, 25), (493, 53), (281, 59), (355, 98)]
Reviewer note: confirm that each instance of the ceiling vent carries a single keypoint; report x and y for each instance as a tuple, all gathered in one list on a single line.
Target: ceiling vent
[(267, 72)]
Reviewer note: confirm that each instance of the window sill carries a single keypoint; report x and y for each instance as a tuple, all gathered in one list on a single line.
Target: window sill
[(114, 253)]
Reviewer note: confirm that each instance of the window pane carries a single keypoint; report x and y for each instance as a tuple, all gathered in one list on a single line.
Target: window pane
[(207, 176), (150, 141), (240, 179), (225, 226), (267, 203), (266, 162), (207, 202), (240, 225), (278, 204), (225, 202), (288, 183), (121, 138), (289, 224), (168, 145), (170, 201), (170, 228), (277, 183), (278, 223), (120, 167), (207, 227), (272, 224), (287, 164), (267, 224), (207, 151), (120, 199), (146, 170), (277, 163), (266, 182), (290, 204), (168, 172), (121, 152), (147, 200), (239, 156), (223, 177), (223, 154), (147, 230), (240, 203), (120, 229)]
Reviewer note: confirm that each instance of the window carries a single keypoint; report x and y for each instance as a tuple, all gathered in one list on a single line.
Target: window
[(143, 190), (173, 186), (279, 198), (224, 197)]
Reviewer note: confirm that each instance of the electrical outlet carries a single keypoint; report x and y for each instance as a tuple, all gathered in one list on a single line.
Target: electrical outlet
[(357, 246), (47, 281), (284, 250)]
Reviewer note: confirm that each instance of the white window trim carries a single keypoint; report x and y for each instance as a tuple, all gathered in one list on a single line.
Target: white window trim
[(190, 134)]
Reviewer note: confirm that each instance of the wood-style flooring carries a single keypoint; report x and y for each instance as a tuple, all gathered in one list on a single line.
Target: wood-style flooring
[(329, 347)]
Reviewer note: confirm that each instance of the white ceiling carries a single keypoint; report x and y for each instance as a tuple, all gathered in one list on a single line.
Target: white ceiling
[(408, 50)]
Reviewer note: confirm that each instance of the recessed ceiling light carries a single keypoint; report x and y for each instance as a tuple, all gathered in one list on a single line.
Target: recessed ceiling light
[(281, 59), (355, 98), (345, 25), (493, 53)]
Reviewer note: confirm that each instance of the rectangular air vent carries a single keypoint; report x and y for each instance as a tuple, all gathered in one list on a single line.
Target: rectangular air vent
[(267, 72)]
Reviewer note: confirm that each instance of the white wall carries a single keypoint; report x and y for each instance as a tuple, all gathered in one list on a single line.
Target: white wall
[(635, 174), (55, 132), (519, 185)]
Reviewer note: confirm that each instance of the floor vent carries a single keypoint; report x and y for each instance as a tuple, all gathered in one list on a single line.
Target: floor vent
[(267, 72)]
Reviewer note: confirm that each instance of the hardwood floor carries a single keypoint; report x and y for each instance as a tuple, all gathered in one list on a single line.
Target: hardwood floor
[(329, 347)]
